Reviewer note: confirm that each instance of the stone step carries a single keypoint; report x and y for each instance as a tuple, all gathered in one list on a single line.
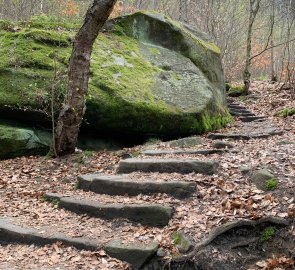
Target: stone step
[(204, 152), (137, 254), (223, 145), (252, 118), (10, 233), (236, 106), (183, 166), (134, 253), (152, 215), (236, 136), (122, 185), (242, 113)]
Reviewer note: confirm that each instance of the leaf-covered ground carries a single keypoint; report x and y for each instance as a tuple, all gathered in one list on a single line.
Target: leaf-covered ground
[(220, 198)]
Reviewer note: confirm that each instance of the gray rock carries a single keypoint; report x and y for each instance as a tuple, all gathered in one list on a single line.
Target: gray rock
[(261, 177), (185, 142), (183, 166), (152, 214), (161, 252), (122, 185), (182, 243), (285, 142), (137, 254), (15, 142), (222, 145), (245, 169), (141, 88)]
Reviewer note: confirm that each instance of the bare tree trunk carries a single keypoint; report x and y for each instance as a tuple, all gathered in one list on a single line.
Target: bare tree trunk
[(72, 113), (254, 8), (272, 18)]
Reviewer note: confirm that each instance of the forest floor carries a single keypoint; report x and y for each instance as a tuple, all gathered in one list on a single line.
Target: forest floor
[(226, 196)]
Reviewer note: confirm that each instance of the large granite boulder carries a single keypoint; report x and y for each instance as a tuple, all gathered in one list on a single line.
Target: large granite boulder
[(149, 75), (16, 142)]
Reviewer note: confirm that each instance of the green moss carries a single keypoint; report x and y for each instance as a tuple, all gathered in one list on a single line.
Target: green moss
[(271, 184), (152, 141), (119, 96), (31, 56), (48, 37), (228, 86), (6, 25), (236, 91), (286, 112), (155, 51), (181, 242), (267, 234), (52, 22)]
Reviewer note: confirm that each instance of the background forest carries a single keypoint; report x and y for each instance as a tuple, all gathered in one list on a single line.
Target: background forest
[(226, 21)]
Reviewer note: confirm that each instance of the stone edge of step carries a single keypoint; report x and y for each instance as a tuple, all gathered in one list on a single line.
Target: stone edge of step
[(10, 233), (112, 211), (101, 184)]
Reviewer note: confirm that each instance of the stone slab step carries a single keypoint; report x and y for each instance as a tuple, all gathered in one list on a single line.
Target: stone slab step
[(204, 152), (122, 185), (153, 215), (242, 113), (235, 105), (183, 166), (10, 233), (236, 136), (252, 118), (136, 254)]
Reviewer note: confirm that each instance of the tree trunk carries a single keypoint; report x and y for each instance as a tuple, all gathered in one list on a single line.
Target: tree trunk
[(72, 113), (272, 54), (254, 8)]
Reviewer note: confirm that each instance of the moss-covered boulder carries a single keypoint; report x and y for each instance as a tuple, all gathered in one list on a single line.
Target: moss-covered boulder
[(237, 91), (15, 142), (149, 75)]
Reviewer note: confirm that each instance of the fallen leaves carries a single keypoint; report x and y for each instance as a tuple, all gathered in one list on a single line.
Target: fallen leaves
[(276, 263)]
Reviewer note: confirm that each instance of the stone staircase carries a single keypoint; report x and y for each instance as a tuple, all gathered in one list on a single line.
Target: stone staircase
[(243, 113), (122, 184)]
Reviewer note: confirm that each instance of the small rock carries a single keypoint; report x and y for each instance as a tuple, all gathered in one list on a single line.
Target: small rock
[(260, 178), (245, 169), (285, 142), (222, 144), (162, 252), (185, 142), (182, 243), (137, 254)]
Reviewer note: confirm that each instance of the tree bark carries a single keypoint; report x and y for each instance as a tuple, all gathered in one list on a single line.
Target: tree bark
[(254, 8), (72, 112)]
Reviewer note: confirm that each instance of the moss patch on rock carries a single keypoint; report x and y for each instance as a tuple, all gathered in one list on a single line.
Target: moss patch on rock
[(128, 82), (286, 112), (237, 91)]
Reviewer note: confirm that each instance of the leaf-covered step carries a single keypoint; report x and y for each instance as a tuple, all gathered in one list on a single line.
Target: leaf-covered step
[(204, 152), (10, 233), (183, 166), (153, 214), (122, 185)]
